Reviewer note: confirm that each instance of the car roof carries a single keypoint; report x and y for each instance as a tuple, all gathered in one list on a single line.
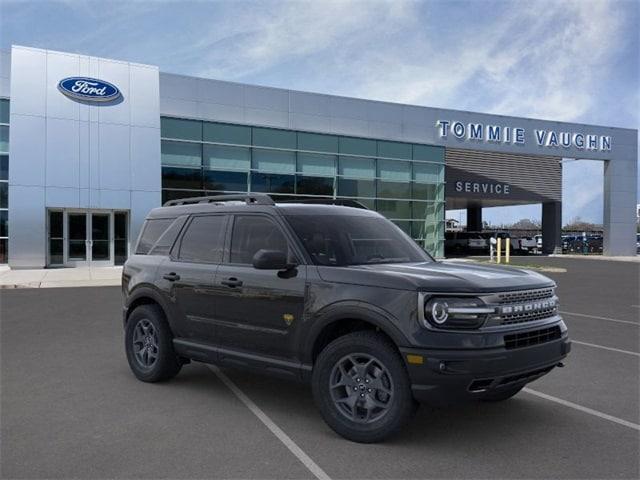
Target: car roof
[(284, 208)]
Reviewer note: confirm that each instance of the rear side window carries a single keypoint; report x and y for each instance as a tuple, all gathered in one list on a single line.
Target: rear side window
[(252, 233), (203, 240), (153, 228), (168, 238)]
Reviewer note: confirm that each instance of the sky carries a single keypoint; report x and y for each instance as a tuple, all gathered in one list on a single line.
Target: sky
[(563, 60)]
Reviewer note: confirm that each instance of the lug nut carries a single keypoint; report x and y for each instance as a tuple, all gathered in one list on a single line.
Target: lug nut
[(362, 394)]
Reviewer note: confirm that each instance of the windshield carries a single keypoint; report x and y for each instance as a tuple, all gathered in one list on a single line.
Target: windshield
[(341, 240)]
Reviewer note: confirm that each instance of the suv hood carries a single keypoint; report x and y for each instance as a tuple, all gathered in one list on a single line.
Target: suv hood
[(450, 277)]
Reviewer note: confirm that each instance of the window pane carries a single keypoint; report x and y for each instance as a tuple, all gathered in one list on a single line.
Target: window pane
[(394, 209), (181, 178), (428, 173), (4, 167), (223, 133), (4, 195), (314, 185), (315, 164), (4, 139), (225, 181), (317, 143), (253, 233), (394, 150), (152, 230), (178, 194), (4, 111), (227, 158), (56, 252), (163, 245), (4, 223), (404, 226), (426, 191), (358, 146), (428, 153), (204, 239), (55, 224), (120, 241), (357, 167), (394, 190), (356, 188), (4, 256), (179, 153), (274, 161), (391, 170), (367, 202), (183, 129), (432, 212), (264, 182), (271, 137)]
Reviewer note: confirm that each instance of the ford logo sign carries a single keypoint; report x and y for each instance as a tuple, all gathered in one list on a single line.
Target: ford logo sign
[(89, 89)]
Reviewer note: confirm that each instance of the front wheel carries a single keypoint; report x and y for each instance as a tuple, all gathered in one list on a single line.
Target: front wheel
[(362, 388)]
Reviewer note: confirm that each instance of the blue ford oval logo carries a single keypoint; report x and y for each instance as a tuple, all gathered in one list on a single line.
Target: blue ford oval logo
[(90, 89)]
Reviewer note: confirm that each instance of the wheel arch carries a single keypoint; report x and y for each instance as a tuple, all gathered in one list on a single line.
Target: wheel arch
[(341, 319)]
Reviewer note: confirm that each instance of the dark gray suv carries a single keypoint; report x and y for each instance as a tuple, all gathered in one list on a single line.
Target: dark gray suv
[(337, 296)]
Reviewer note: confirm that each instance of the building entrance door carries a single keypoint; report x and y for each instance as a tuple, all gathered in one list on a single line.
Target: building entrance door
[(82, 238)]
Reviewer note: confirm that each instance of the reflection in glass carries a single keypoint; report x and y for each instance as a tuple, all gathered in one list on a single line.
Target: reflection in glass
[(77, 225), (264, 182), (314, 185), (120, 244), (100, 236)]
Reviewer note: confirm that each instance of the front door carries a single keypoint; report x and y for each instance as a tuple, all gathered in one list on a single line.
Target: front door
[(82, 238), (257, 310)]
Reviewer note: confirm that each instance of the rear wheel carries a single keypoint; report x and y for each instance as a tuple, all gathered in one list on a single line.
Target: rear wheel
[(501, 395), (149, 345), (362, 388)]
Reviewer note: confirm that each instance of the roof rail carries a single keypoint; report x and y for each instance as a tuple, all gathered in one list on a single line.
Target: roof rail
[(251, 198), (343, 202)]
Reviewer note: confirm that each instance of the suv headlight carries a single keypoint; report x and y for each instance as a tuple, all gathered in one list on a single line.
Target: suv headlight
[(455, 312)]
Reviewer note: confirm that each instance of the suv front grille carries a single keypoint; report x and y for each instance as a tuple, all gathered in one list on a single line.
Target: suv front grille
[(524, 297), (535, 337)]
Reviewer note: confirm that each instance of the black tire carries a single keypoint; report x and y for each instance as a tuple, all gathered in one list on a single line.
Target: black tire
[(390, 398), (501, 394), (147, 329)]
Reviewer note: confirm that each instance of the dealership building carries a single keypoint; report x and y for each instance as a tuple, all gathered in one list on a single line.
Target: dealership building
[(89, 145)]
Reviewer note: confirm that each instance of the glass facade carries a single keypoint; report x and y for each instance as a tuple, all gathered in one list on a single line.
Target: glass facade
[(403, 181), (4, 180)]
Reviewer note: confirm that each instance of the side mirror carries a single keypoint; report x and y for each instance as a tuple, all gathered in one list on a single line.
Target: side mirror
[(270, 260)]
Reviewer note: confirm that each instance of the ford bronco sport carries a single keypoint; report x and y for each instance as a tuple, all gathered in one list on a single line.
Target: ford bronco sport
[(337, 296)]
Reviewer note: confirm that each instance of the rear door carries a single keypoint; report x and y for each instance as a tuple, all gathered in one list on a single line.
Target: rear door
[(257, 310), (189, 273)]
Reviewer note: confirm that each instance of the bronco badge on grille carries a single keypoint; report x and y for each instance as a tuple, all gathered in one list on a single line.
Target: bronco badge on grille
[(528, 307)]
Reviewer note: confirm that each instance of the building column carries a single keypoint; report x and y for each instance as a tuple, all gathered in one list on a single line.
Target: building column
[(474, 219), (552, 227), (620, 198)]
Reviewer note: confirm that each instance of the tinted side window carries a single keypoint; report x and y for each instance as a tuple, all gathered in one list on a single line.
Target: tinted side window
[(204, 239), (252, 233), (151, 233), (167, 239)]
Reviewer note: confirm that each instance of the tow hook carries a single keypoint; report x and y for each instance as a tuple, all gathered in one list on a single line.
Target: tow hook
[(560, 364)]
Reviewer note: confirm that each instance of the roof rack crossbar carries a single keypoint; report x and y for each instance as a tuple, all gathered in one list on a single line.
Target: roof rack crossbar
[(249, 199)]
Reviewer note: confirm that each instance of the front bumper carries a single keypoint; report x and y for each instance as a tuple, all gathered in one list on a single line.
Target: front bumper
[(447, 376)]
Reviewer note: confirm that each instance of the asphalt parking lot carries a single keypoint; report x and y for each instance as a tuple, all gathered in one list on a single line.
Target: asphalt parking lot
[(71, 408)]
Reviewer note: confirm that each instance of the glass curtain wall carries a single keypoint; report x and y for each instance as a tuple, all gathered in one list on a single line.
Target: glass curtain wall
[(402, 181), (4, 180)]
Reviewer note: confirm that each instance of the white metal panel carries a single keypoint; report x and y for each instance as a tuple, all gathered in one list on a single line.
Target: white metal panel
[(215, 91), (266, 98), (144, 96), (145, 159), (62, 197), (271, 118), (63, 153), (59, 66), (309, 103), (114, 157), (115, 199), (220, 112), (118, 74), (28, 81), (27, 235), (27, 142)]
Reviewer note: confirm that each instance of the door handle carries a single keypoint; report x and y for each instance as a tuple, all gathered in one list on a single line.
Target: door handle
[(172, 277), (232, 282)]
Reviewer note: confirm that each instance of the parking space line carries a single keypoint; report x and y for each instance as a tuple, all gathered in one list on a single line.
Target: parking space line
[(628, 352), (590, 411), (601, 318), (270, 424)]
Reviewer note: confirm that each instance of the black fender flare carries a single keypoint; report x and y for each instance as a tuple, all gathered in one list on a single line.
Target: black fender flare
[(145, 291), (353, 310)]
